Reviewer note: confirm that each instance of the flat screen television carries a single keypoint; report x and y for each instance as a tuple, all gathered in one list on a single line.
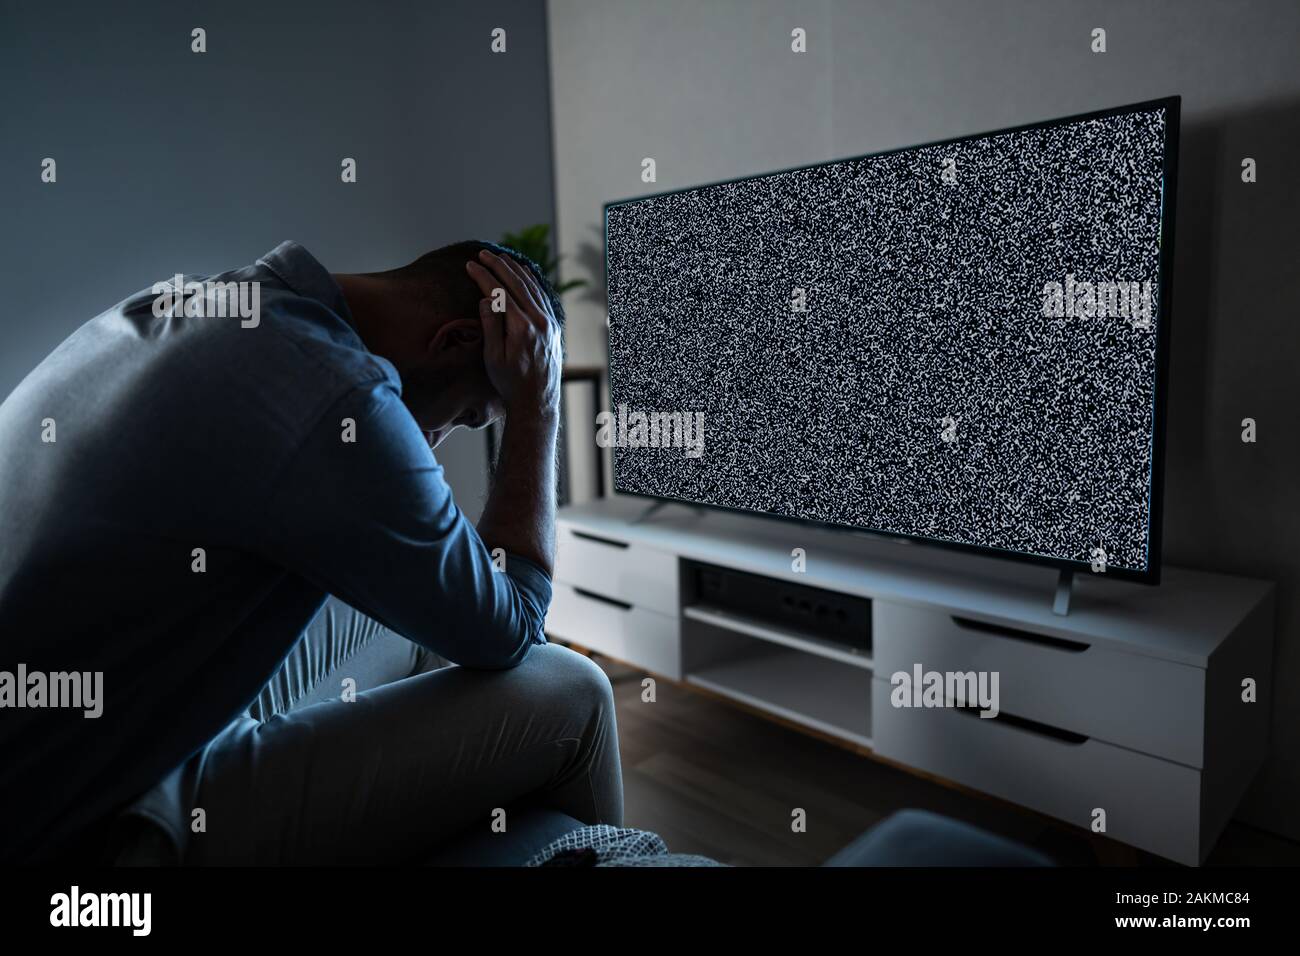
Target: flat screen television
[(963, 343)]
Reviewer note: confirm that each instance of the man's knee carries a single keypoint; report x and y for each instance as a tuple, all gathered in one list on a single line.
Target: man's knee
[(568, 675)]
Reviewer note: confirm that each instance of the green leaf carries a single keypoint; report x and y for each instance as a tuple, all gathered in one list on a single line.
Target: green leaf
[(535, 242)]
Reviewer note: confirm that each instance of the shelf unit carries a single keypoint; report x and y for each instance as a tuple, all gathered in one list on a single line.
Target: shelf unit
[(1131, 704)]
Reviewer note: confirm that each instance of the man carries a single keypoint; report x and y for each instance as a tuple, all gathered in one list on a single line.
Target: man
[(190, 477)]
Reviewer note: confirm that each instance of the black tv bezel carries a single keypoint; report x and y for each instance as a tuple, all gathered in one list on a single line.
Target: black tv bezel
[(1169, 196)]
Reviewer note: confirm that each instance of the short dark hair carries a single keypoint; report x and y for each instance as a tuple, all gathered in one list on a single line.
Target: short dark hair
[(454, 293)]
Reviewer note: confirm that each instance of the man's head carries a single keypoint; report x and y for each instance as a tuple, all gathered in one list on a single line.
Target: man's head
[(424, 318)]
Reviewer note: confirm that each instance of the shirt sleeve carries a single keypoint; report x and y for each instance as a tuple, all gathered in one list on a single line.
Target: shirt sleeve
[(373, 522)]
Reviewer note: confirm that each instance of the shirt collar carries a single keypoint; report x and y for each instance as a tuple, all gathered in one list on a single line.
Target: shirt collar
[(298, 269)]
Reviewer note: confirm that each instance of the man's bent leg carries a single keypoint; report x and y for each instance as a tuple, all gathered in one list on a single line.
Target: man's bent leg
[(340, 644), (404, 767)]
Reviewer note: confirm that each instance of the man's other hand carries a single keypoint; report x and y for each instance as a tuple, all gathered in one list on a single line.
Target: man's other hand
[(521, 346)]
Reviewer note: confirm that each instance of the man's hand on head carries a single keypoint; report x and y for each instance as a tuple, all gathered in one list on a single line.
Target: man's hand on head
[(521, 345), (521, 353)]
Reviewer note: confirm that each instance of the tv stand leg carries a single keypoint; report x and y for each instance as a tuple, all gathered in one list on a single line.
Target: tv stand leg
[(645, 515), (1064, 588)]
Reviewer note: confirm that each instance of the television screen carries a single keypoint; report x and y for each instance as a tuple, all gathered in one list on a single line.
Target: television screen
[(962, 342)]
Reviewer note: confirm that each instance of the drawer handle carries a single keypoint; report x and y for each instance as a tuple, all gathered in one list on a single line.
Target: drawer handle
[(599, 540), (1032, 726), (592, 596), (1060, 643)]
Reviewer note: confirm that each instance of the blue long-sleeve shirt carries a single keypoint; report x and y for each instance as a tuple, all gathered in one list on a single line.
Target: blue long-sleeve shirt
[(177, 498)]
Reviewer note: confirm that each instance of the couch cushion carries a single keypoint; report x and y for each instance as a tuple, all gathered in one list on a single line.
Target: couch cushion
[(920, 838)]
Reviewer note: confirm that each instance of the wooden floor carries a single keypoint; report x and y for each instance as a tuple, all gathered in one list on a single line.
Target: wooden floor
[(714, 779)]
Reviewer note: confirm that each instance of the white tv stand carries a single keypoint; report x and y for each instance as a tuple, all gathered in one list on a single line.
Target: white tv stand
[(1131, 704)]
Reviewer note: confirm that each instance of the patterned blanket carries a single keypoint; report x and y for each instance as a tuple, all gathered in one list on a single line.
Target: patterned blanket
[(604, 845)]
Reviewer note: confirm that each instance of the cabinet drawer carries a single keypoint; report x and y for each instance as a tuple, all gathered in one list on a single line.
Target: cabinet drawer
[(633, 634), (1150, 803), (618, 569), (1150, 705)]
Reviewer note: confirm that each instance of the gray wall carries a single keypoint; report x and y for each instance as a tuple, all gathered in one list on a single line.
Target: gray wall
[(171, 161), (712, 92)]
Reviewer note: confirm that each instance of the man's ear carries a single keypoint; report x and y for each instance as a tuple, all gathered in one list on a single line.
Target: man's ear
[(458, 335)]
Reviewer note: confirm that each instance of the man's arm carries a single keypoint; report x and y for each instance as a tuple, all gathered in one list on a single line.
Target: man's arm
[(521, 352), (374, 522), (519, 516)]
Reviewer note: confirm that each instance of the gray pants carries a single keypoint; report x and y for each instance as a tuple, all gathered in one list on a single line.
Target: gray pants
[(425, 751)]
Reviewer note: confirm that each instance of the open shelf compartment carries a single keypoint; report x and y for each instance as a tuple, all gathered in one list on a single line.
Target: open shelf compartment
[(805, 685)]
